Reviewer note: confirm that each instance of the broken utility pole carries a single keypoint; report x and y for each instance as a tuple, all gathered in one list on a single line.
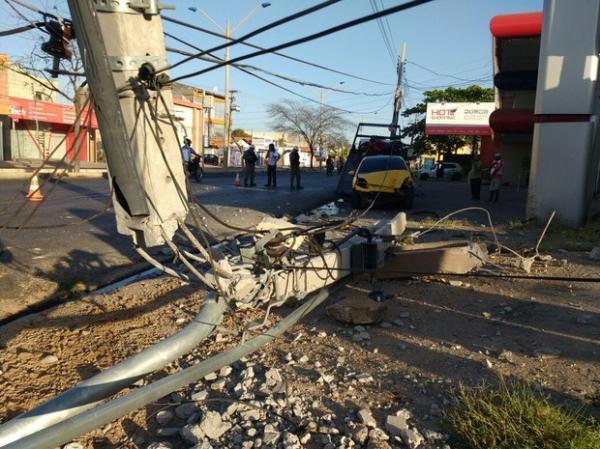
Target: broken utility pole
[(144, 160)]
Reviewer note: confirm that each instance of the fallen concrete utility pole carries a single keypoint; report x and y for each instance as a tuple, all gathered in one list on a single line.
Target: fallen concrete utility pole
[(427, 258), (286, 283)]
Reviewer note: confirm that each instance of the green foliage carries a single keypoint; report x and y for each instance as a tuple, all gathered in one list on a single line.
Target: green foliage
[(584, 238), (516, 417), (415, 131), (239, 133)]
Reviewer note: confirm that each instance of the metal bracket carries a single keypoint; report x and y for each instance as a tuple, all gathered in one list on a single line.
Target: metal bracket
[(122, 63), (147, 7)]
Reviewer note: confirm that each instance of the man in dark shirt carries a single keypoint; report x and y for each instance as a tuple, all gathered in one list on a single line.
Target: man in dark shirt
[(249, 164), (295, 169)]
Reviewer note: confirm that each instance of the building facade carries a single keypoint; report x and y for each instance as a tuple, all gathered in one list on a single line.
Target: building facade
[(33, 126)]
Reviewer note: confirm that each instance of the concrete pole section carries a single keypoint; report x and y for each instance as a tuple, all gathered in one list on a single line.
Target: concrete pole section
[(566, 148), (142, 151)]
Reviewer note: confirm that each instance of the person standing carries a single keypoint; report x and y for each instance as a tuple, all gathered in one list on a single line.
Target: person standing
[(475, 179), (340, 164), (191, 159), (329, 165), (295, 169), (249, 159), (496, 171), (272, 158)]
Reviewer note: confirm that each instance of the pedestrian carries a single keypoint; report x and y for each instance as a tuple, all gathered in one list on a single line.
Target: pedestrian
[(340, 165), (329, 165), (250, 160), (475, 179), (295, 169), (272, 158), (496, 177), (191, 159)]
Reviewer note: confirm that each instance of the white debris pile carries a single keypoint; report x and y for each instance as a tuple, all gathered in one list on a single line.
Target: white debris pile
[(251, 405)]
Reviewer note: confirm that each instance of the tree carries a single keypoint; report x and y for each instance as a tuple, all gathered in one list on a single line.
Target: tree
[(415, 131), (240, 133), (314, 124)]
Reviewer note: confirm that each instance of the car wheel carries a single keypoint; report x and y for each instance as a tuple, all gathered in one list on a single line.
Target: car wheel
[(424, 176)]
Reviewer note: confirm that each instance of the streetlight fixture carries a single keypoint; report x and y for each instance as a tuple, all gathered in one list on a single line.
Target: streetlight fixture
[(227, 31)]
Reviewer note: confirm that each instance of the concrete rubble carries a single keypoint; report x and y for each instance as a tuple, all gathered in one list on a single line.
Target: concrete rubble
[(256, 408)]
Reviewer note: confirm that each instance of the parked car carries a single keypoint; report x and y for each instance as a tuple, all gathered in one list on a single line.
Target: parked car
[(385, 179), (453, 171), (427, 171), (211, 159), (450, 170)]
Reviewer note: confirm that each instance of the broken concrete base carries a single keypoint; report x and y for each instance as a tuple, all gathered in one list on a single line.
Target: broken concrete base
[(358, 311), (437, 257)]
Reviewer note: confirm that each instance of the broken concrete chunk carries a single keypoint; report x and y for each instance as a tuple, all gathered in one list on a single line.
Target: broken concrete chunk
[(213, 426), (358, 311), (366, 417)]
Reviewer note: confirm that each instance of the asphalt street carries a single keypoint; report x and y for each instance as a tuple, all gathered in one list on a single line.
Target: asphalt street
[(63, 251)]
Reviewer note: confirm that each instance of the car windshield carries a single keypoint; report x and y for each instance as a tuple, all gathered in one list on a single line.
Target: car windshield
[(373, 164)]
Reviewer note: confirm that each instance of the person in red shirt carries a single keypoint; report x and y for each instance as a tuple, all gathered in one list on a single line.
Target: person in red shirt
[(496, 177)]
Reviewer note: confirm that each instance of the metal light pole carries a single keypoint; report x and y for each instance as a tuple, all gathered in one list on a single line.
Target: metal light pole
[(227, 31)]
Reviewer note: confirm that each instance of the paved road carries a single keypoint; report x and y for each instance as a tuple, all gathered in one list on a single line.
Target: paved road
[(37, 261)]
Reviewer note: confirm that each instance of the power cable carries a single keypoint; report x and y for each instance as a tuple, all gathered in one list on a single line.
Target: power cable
[(268, 72), (311, 37), (230, 42), (383, 33), (242, 69), (389, 28), (443, 75), (22, 29), (33, 8), (283, 55)]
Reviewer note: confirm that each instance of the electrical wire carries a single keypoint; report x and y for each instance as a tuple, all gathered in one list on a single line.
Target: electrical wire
[(22, 29), (283, 55), (326, 32), (238, 67), (384, 34), (231, 42), (214, 58), (443, 75)]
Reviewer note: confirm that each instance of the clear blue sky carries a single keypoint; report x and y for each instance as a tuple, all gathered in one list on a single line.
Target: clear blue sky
[(446, 36)]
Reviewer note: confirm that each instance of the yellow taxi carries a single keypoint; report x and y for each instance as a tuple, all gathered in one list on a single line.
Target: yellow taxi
[(383, 178)]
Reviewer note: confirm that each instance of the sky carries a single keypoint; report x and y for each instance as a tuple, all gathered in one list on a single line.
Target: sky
[(447, 43)]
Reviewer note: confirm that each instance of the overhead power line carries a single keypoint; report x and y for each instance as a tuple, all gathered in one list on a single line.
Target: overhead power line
[(384, 35), (283, 55), (22, 29), (326, 32), (443, 75), (258, 31), (243, 68)]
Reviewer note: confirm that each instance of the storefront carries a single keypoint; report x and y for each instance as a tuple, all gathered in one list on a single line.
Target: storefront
[(38, 130)]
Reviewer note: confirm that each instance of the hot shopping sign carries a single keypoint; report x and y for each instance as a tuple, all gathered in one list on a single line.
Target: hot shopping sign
[(467, 119)]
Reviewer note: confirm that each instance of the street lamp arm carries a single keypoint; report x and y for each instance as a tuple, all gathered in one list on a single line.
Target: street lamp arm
[(247, 16), (205, 14)]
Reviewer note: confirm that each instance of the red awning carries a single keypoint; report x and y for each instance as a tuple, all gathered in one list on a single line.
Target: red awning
[(512, 121), (513, 26)]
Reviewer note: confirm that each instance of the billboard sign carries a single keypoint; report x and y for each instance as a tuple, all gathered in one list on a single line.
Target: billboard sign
[(467, 119), (61, 114)]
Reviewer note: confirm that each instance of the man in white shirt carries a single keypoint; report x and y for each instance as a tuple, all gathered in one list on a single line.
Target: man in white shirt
[(272, 158)]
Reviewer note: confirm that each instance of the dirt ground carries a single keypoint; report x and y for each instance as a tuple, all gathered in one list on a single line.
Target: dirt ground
[(439, 334)]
